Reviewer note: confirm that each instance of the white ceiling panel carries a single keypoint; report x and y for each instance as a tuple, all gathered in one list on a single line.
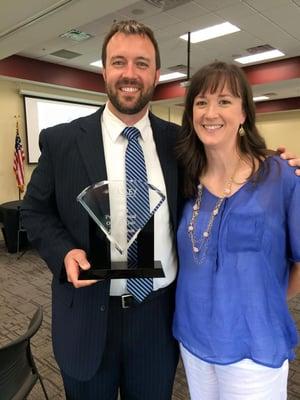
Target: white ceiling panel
[(235, 12), (204, 21), (102, 25), (174, 31), (262, 28), (232, 44), (140, 9), (263, 5), (10, 19), (187, 11), (214, 5), (287, 17), (160, 21)]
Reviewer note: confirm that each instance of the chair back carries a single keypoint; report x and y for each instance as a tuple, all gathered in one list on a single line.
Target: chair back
[(18, 372)]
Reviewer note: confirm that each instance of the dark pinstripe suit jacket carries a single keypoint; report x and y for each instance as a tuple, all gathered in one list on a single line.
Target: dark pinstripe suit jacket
[(72, 158)]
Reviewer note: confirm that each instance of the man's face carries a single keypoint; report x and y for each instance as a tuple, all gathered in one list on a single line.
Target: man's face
[(130, 73)]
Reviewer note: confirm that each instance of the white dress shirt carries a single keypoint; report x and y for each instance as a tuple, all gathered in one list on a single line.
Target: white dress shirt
[(114, 150)]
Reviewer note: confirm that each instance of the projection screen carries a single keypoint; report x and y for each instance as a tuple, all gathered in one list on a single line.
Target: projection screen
[(41, 113)]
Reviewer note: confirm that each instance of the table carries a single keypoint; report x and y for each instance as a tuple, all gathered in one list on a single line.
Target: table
[(9, 216)]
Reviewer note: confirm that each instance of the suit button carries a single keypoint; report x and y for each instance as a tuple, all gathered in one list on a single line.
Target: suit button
[(102, 307)]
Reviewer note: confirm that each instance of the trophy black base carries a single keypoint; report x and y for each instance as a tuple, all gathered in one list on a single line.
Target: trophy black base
[(120, 270)]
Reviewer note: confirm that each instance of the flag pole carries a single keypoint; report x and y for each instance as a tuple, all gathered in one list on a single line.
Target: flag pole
[(17, 132), (19, 159)]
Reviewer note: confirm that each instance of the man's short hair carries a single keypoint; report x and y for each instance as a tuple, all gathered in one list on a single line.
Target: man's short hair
[(130, 27)]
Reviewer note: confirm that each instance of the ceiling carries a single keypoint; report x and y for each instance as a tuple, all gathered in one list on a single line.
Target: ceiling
[(32, 28)]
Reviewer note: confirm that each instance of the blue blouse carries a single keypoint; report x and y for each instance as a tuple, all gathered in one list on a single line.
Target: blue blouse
[(231, 302)]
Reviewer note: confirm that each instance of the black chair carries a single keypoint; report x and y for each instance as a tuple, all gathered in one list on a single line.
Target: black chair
[(2, 223), (18, 372), (21, 233), (2, 227), (9, 216)]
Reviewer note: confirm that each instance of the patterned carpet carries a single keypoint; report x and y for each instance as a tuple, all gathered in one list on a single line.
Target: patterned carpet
[(25, 283)]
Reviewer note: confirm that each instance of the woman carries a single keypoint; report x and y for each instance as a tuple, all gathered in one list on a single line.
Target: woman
[(238, 243)]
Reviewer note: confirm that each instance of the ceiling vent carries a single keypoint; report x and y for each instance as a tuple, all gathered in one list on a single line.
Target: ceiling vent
[(66, 54), (165, 5), (260, 49)]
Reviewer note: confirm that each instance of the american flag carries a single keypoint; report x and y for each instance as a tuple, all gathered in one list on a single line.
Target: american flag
[(19, 158)]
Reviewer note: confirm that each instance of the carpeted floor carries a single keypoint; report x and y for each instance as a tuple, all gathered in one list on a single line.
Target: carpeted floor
[(25, 283)]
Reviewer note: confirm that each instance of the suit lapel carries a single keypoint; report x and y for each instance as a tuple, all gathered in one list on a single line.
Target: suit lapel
[(164, 141), (90, 145)]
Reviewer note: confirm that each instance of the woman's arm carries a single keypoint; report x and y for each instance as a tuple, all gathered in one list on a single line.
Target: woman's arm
[(294, 281)]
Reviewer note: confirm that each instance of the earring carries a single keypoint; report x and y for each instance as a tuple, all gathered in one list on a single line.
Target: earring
[(242, 131)]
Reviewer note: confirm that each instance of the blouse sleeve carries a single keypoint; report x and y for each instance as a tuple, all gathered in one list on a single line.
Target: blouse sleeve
[(293, 216)]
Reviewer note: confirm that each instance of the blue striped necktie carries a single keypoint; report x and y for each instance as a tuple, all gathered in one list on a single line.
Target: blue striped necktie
[(139, 206)]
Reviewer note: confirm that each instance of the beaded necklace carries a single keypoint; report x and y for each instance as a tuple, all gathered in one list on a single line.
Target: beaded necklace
[(199, 245)]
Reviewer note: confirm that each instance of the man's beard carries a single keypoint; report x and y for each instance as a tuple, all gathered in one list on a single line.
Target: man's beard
[(125, 108)]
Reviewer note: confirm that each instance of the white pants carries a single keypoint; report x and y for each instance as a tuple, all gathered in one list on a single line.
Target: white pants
[(243, 380)]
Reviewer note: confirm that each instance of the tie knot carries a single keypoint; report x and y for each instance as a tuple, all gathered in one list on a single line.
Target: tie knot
[(131, 133)]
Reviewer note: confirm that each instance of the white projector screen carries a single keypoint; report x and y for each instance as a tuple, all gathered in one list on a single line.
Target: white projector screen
[(41, 113)]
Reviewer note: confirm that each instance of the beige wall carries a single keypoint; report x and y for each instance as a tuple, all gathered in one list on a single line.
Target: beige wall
[(282, 128), (173, 114), (11, 103)]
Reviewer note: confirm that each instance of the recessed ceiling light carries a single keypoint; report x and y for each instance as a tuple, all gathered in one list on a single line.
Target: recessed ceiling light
[(171, 76), (260, 98), (211, 32), (266, 55), (97, 64)]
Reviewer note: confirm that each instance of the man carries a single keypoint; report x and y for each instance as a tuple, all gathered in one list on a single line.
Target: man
[(100, 346)]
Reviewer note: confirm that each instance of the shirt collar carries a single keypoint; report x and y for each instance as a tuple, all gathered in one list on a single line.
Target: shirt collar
[(114, 126)]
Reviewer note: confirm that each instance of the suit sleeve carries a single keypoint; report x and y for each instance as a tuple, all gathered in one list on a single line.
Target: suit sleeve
[(40, 216)]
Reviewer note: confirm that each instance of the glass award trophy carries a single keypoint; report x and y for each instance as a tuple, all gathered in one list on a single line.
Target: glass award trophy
[(105, 202)]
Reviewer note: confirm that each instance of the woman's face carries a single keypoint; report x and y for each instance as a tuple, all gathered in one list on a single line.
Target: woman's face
[(217, 117)]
